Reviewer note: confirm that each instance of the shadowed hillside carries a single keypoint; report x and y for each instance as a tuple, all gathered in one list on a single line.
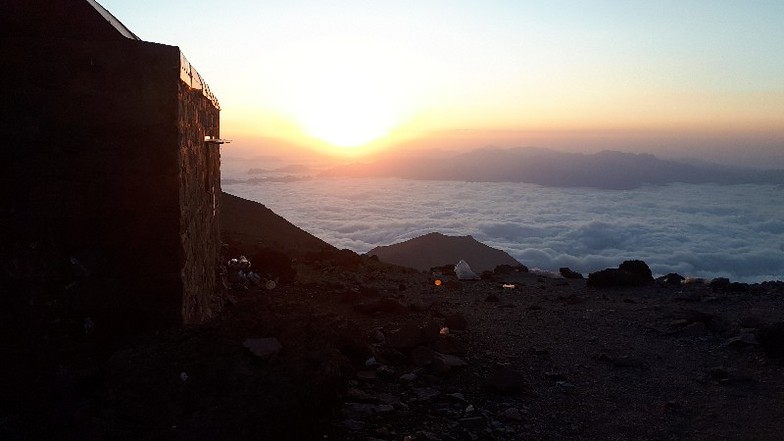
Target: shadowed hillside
[(251, 223)]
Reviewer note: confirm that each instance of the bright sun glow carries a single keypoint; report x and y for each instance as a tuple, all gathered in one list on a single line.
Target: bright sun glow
[(347, 99), (347, 109)]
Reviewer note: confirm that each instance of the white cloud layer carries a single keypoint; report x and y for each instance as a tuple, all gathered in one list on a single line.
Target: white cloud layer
[(707, 230)]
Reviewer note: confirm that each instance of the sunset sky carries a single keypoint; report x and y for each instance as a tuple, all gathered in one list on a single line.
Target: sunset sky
[(704, 77)]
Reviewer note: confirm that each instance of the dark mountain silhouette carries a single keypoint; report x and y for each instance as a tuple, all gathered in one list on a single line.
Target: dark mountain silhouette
[(607, 169), (249, 222), (436, 249)]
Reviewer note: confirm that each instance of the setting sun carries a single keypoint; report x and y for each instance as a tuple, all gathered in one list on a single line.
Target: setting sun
[(346, 97), (346, 109)]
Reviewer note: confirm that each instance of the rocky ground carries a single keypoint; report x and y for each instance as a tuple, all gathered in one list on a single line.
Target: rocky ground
[(345, 347), (521, 356)]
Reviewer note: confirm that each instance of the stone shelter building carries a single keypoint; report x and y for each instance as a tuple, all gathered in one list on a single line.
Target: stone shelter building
[(110, 162)]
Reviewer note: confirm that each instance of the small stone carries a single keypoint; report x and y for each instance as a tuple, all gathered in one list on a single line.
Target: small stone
[(264, 348), (384, 408), (424, 436), (564, 384), (408, 377), (458, 396), (366, 375), (390, 399), (695, 329), (512, 414), (358, 395), (354, 411), (426, 393), (742, 341), (352, 424), (88, 325), (474, 422), (555, 376), (445, 362), (628, 362), (385, 371)]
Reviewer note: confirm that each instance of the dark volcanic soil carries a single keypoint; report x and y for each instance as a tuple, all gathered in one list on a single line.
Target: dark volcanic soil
[(365, 354)]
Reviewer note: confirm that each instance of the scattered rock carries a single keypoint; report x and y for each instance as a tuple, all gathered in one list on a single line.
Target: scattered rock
[(510, 269), (568, 273), (357, 411), (426, 393), (723, 285), (673, 279)]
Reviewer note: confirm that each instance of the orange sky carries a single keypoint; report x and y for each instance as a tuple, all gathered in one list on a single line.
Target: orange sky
[(354, 77)]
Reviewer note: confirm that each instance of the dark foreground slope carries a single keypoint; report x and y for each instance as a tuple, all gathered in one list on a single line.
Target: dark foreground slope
[(363, 353), (251, 223)]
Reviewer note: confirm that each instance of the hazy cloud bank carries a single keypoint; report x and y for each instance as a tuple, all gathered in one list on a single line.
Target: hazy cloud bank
[(701, 230), (606, 169)]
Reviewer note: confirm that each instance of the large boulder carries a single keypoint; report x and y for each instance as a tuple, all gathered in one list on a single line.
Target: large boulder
[(628, 274)]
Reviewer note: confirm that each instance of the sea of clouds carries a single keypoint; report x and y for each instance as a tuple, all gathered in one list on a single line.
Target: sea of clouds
[(734, 231)]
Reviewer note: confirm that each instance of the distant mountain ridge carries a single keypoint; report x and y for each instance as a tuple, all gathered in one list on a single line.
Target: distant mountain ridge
[(436, 249), (607, 169)]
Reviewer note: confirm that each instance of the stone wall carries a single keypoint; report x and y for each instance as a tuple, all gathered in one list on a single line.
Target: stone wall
[(104, 156), (199, 204)]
